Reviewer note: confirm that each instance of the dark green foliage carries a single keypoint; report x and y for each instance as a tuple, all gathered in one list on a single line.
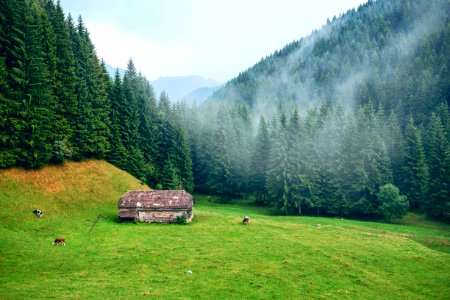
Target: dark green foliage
[(356, 83), (259, 167), (92, 128), (57, 102), (414, 171), (438, 154), (221, 180), (392, 204), (13, 83), (182, 219)]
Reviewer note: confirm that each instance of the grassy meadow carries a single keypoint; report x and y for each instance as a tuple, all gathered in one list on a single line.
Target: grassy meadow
[(275, 257)]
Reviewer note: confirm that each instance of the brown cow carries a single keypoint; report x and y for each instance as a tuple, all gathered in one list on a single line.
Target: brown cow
[(59, 241)]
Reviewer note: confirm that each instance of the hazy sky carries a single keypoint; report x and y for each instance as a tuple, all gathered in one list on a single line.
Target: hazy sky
[(212, 38)]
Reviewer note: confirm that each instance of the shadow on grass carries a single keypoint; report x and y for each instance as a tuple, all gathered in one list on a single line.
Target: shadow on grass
[(436, 244)]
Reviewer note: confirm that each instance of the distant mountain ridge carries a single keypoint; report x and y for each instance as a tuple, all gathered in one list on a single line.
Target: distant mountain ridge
[(199, 95), (179, 86), (112, 70), (187, 88)]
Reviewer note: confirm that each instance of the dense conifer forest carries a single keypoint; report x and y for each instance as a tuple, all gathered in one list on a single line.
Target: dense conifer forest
[(351, 120), (330, 122), (58, 102)]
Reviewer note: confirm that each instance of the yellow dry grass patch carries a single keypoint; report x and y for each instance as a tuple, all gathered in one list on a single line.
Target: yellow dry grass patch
[(80, 176)]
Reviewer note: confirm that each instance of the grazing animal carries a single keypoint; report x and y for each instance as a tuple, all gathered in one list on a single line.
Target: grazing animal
[(318, 225), (59, 241), (246, 220), (38, 213)]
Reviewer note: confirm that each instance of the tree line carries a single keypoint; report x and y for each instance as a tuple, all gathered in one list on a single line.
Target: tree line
[(57, 102), (372, 89), (328, 161)]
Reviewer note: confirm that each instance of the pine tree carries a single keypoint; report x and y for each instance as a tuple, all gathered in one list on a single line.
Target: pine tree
[(146, 102), (414, 170), (393, 138), (299, 166), (14, 81), (65, 80), (259, 163), (183, 161), (278, 181), (8, 156), (92, 128), (39, 110), (132, 139), (169, 178), (118, 154), (220, 178), (438, 154), (329, 162)]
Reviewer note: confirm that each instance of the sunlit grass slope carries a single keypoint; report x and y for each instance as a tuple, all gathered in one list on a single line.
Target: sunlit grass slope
[(275, 257)]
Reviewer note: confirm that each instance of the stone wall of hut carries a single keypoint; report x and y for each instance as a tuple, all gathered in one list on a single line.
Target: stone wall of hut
[(154, 216)]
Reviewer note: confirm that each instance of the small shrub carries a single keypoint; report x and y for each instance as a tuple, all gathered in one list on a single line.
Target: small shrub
[(392, 203), (182, 219)]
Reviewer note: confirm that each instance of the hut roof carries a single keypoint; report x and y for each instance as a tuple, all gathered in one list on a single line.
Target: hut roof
[(159, 199)]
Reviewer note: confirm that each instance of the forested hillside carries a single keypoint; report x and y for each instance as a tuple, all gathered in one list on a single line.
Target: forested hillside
[(389, 52), (58, 102), (334, 122)]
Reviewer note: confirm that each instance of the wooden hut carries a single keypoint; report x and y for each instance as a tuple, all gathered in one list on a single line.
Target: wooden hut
[(155, 206)]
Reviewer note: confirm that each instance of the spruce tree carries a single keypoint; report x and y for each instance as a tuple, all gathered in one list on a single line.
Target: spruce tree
[(146, 102), (132, 138), (259, 163), (278, 181), (39, 111), (118, 154), (220, 178), (299, 168), (438, 154), (414, 170), (394, 141), (65, 80), (14, 82)]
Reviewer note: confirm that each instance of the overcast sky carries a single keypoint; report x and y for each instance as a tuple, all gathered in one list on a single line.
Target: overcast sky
[(212, 38)]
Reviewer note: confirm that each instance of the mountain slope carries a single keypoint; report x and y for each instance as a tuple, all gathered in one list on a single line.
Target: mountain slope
[(62, 190), (391, 52)]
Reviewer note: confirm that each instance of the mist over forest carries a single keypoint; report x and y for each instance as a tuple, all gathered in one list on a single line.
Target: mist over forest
[(352, 120)]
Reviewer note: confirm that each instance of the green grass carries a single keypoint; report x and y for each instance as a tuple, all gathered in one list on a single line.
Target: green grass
[(275, 257)]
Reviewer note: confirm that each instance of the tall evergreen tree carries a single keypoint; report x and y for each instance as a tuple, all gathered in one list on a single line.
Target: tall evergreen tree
[(278, 177), (13, 57), (39, 134), (259, 166), (414, 170), (438, 154), (220, 179)]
